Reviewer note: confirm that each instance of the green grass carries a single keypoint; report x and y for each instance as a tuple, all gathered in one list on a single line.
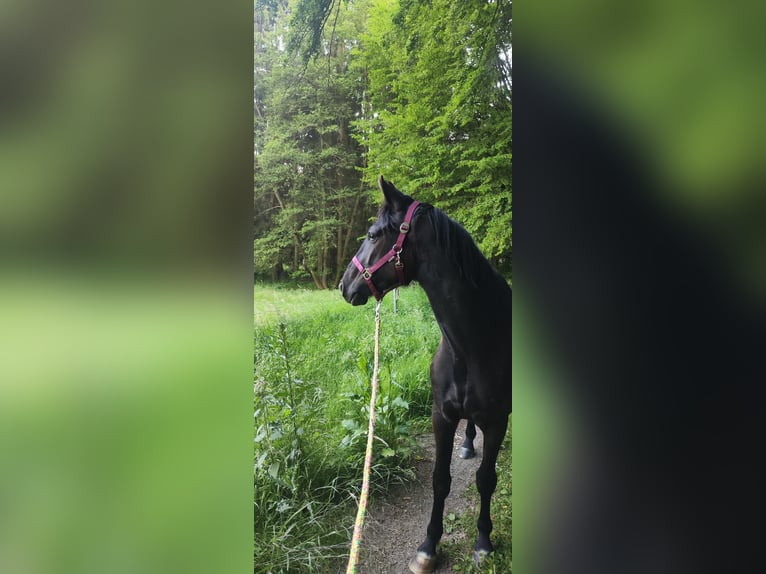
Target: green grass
[(313, 365), (274, 303)]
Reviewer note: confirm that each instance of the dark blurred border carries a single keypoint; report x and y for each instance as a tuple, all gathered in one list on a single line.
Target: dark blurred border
[(639, 288)]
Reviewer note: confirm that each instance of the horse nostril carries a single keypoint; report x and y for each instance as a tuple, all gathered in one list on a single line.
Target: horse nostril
[(340, 286)]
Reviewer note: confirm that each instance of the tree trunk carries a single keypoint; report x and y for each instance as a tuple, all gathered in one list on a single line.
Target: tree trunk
[(339, 259), (311, 272), (352, 221), (325, 266)]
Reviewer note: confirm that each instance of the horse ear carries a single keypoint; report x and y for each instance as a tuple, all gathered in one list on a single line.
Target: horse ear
[(393, 197)]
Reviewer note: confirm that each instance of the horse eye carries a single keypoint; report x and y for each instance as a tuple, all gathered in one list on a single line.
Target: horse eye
[(371, 236)]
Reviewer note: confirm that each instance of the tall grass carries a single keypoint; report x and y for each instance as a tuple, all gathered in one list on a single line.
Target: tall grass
[(313, 365)]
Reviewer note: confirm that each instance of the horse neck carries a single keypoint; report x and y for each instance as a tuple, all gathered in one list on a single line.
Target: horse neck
[(460, 309)]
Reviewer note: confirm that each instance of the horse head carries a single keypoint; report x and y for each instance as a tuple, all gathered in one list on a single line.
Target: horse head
[(386, 259)]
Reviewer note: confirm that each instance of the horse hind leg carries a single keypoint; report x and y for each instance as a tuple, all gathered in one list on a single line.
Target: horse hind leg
[(467, 450), (486, 481), (424, 561)]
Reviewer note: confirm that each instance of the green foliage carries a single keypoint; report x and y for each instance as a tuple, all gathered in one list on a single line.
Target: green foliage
[(308, 205), (438, 116), (313, 366), (308, 22)]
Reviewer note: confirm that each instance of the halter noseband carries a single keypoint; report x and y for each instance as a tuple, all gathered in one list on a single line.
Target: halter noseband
[(393, 254)]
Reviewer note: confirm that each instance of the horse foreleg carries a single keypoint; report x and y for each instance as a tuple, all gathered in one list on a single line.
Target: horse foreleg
[(486, 481), (467, 450), (444, 434)]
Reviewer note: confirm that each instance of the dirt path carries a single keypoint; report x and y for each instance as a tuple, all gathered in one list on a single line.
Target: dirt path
[(397, 525)]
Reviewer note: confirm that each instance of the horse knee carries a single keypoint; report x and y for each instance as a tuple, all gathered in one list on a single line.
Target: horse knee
[(486, 480), (441, 484)]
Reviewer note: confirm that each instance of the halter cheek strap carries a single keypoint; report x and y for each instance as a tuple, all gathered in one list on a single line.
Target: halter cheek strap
[(393, 254)]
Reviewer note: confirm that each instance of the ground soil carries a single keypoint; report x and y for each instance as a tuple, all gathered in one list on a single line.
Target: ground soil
[(396, 525)]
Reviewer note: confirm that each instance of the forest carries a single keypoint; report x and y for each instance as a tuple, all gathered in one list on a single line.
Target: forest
[(345, 90)]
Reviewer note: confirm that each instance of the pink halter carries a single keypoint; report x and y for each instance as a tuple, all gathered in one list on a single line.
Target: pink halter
[(393, 254)]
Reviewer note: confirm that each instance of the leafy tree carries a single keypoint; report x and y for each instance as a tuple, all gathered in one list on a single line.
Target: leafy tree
[(309, 203), (437, 117)]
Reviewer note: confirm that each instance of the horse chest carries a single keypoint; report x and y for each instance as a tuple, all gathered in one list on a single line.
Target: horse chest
[(462, 390)]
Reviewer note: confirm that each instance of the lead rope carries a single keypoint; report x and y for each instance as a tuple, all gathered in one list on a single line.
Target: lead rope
[(356, 540)]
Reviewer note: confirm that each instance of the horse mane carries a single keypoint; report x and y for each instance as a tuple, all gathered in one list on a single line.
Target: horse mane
[(454, 240)]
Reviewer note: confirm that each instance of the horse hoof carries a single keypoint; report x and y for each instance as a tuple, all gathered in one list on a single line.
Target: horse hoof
[(423, 563), (467, 453), (479, 556)]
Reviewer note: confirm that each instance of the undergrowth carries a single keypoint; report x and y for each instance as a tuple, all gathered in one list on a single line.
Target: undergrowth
[(313, 366)]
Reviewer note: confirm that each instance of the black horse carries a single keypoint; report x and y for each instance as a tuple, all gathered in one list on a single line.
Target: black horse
[(471, 370)]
